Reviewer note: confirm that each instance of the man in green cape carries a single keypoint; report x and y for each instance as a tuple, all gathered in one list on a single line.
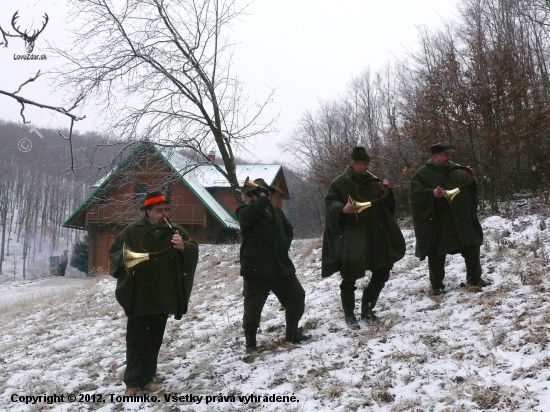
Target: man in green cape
[(443, 226), (151, 290), (266, 266), (356, 242)]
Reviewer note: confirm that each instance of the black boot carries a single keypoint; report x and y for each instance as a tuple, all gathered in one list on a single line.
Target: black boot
[(348, 304), (295, 336), (368, 315), (352, 323), (372, 292), (250, 336)]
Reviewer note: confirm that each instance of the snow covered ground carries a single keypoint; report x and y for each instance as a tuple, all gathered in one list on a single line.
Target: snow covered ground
[(468, 350), (39, 265), (19, 292)]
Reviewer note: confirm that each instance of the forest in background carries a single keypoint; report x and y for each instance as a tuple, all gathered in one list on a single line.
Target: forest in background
[(480, 83), (38, 191)]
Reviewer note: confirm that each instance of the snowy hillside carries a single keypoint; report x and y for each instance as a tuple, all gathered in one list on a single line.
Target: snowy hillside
[(467, 350)]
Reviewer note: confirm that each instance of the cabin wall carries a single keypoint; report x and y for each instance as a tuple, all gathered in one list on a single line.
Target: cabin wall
[(119, 201)]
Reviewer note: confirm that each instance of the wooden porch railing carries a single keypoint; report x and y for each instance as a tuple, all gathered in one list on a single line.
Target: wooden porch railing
[(113, 213)]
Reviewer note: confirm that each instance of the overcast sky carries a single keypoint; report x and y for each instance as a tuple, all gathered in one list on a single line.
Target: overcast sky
[(308, 50)]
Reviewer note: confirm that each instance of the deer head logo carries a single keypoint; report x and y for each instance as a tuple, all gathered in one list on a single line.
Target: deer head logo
[(29, 39)]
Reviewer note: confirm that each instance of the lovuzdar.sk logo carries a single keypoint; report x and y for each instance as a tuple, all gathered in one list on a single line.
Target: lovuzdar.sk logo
[(28, 38)]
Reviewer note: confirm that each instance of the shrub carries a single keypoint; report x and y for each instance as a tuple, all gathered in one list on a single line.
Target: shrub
[(79, 257)]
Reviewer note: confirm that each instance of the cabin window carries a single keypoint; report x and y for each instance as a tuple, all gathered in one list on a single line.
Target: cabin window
[(140, 191)]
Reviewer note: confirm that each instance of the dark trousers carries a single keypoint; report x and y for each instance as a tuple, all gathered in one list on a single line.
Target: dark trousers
[(436, 265), (288, 290), (370, 293), (143, 339)]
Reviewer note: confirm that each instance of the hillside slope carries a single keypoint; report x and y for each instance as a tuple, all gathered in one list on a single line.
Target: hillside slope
[(468, 350)]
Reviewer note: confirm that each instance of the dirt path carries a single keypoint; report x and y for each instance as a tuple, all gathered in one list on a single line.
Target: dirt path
[(24, 291)]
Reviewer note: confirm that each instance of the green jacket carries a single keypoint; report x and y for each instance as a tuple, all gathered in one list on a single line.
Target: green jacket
[(441, 228), (161, 284), (370, 241), (267, 235)]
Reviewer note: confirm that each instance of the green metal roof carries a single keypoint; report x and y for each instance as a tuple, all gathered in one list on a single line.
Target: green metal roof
[(185, 170), (181, 166), (97, 187)]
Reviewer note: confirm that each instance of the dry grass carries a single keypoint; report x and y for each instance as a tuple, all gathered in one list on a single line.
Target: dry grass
[(407, 405), (427, 353), (486, 397)]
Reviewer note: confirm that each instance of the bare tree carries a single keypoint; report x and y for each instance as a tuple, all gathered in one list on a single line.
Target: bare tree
[(323, 140), (365, 98), (7, 171), (306, 210), (482, 84), (23, 101), (161, 70)]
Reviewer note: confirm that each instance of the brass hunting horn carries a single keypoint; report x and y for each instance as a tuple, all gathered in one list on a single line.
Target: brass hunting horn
[(131, 258), (450, 194), (362, 204), (252, 185)]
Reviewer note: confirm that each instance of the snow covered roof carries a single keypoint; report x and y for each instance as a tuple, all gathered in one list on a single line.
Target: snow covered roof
[(198, 178), (185, 170), (209, 176)]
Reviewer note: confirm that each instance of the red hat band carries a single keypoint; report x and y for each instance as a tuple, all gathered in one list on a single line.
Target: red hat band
[(154, 200)]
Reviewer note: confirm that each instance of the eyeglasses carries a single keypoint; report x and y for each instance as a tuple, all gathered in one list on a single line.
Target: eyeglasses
[(161, 209)]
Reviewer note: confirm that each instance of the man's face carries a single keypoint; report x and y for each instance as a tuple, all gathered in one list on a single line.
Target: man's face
[(158, 212), (442, 158), (360, 167)]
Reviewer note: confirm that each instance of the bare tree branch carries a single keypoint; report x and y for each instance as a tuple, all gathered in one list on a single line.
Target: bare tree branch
[(66, 112), (5, 36), (24, 101), (161, 70), (32, 79)]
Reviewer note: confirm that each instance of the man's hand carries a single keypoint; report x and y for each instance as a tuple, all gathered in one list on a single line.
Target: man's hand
[(261, 192), (177, 241), (385, 184), (438, 192), (348, 208)]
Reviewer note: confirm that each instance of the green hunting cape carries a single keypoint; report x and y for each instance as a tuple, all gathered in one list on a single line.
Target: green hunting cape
[(441, 228), (371, 241), (267, 235), (161, 284)]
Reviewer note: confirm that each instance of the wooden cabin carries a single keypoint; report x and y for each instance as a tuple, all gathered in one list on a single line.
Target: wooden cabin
[(201, 199)]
